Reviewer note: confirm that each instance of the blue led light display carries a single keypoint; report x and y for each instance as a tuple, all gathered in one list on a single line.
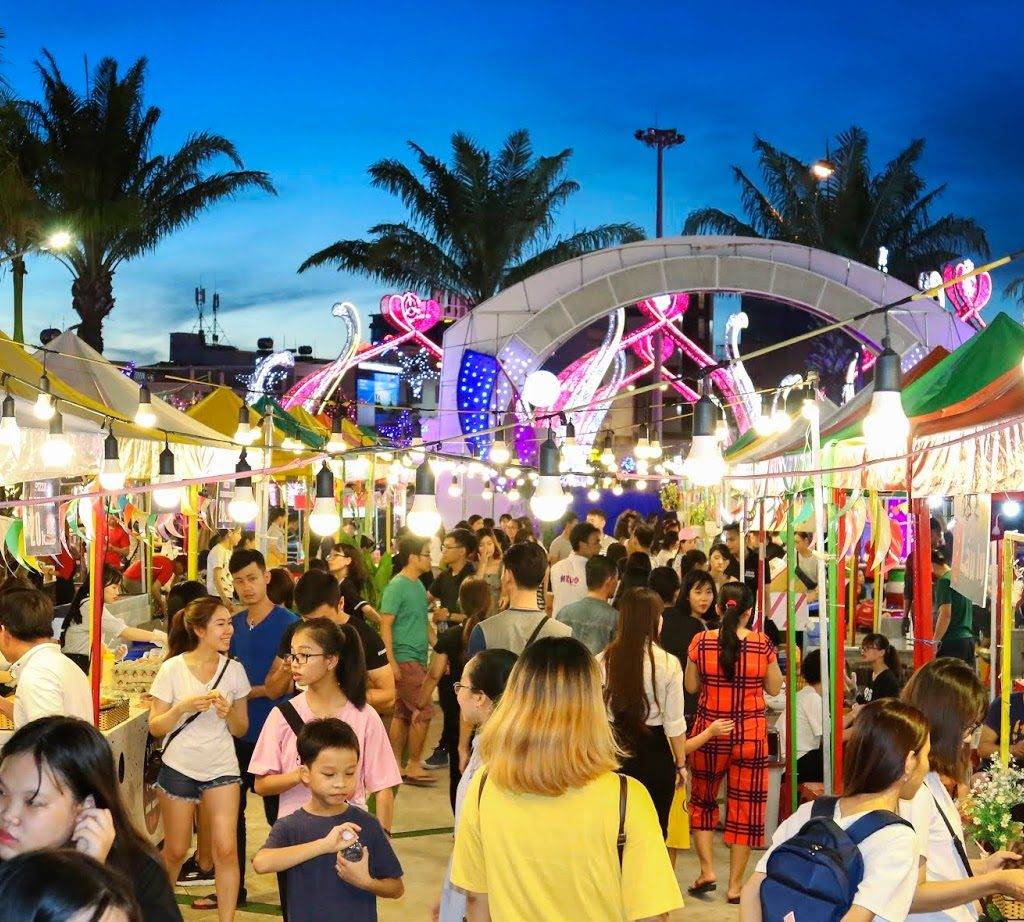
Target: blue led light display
[(478, 372)]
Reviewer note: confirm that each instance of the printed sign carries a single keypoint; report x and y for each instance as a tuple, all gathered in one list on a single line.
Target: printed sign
[(42, 522), (971, 522)]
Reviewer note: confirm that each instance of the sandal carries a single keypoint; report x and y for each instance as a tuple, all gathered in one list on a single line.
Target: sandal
[(705, 886), (210, 901), (420, 781)]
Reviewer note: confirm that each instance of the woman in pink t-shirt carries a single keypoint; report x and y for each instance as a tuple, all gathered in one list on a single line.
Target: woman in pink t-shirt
[(327, 659)]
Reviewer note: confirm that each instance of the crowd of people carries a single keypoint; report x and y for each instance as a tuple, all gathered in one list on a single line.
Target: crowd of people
[(617, 686)]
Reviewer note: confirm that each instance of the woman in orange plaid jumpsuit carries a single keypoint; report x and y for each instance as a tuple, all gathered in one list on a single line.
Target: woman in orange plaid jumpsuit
[(732, 668)]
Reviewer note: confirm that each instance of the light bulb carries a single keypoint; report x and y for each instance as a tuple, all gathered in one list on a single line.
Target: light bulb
[(357, 468), (144, 415), (1011, 508), (607, 457), (549, 501), (617, 489), (541, 389), (324, 519), (166, 497), (416, 452), (244, 434), (704, 465), (935, 501), (654, 452), (423, 518), (641, 485), (406, 461), (512, 471), (499, 452), (454, 489), (781, 421), (487, 494), (642, 451), (642, 468), (56, 448), (886, 427), (9, 434), (763, 424), (809, 409), (43, 409), (593, 494), (111, 476), (243, 507), (722, 431), (513, 495)]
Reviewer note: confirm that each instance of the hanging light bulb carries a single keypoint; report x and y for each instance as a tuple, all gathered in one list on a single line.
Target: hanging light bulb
[(144, 415), (423, 518), (641, 485), (617, 489), (454, 488), (111, 474), (514, 495), (642, 450), (357, 468), (809, 409), (593, 494), (781, 420), (335, 444), (244, 433), (704, 465), (9, 433), (243, 507), (166, 497), (323, 517), (886, 427), (548, 501), (56, 448), (499, 452), (935, 501), (607, 456), (541, 389), (722, 431), (513, 471), (763, 424), (654, 452), (570, 451), (643, 468), (487, 493), (44, 408)]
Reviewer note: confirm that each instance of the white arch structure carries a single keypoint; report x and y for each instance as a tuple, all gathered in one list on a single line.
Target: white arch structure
[(524, 324)]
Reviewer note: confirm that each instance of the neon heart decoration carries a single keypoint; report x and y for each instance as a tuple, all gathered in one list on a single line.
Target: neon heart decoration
[(970, 295), (411, 312)]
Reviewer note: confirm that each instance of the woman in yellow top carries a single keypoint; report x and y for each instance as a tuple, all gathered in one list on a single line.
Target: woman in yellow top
[(529, 840)]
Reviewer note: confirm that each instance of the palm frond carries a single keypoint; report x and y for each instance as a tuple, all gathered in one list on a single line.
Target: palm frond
[(716, 221)]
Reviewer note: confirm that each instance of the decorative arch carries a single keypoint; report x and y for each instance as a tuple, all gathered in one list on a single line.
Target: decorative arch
[(524, 324)]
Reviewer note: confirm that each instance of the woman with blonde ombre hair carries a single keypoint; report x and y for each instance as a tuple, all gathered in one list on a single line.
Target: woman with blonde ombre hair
[(529, 840)]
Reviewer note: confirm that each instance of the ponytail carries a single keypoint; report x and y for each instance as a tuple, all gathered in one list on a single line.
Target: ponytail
[(343, 642), (734, 602), (889, 655)]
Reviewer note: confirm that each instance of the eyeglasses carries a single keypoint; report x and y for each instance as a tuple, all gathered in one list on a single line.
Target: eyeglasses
[(458, 686), (300, 658), (450, 547)]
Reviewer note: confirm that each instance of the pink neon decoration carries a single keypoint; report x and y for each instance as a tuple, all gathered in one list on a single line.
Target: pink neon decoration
[(968, 296)]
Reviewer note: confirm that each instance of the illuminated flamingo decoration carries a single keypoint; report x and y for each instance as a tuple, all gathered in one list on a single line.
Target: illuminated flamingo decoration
[(969, 295), (269, 371), (410, 314)]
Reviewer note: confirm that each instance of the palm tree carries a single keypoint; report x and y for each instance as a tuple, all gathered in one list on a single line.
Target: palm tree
[(852, 213), (1015, 290), (23, 215), (120, 198), (476, 225)]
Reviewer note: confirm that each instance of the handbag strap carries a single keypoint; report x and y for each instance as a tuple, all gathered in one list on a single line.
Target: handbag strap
[(620, 838), (191, 717), (536, 631), (957, 841), (293, 717)]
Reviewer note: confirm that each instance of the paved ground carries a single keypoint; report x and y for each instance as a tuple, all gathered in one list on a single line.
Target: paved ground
[(423, 842)]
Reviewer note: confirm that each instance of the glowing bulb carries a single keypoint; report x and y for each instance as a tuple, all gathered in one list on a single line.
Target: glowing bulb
[(9, 434), (416, 452), (607, 457), (549, 501), (617, 489), (514, 495), (423, 518), (454, 489), (655, 452), (641, 485), (593, 494), (144, 415), (56, 448), (642, 449), (487, 494), (324, 519), (935, 501), (499, 452), (541, 389), (704, 465), (809, 410), (512, 471), (336, 443), (357, 467), (166, 497), (111, 476), (1011, 508), (781, 421), (243, 507), (44, 408), (763, 424), (886, 427)]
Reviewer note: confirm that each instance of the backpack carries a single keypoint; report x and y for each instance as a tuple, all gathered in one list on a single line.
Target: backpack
[(815, 875)]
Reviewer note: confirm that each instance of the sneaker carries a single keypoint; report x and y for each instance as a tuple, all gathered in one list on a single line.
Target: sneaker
[(191, 875), (437, 760)]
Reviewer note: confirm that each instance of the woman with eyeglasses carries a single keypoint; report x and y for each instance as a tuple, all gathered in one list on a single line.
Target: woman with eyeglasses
[(328, 663), (199, 704), (347, 566)]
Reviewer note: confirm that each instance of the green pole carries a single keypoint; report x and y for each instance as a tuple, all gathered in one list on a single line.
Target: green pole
[(791, 654), (837, 638)]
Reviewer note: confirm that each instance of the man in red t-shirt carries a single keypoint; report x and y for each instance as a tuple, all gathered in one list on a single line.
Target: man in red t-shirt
[(119, 543)]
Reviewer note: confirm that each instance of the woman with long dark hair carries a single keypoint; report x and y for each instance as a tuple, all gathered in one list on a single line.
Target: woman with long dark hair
[(58, 788), (449, 660), (346, 565), (76, 625), (199, 705), (489, 567), (328, 661), (643, 688), (684, 621), (732, 668)]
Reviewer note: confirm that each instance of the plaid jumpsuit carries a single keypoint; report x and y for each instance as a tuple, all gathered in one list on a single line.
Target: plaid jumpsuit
[(742, 758)]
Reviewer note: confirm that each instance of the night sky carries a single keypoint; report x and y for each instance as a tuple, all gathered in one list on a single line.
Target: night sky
[(314, 92)]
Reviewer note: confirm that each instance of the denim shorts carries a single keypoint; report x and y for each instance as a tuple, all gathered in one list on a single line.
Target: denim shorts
[(181, 787)]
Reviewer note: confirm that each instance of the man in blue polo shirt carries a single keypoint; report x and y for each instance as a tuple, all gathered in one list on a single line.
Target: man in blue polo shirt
[(255, 642)]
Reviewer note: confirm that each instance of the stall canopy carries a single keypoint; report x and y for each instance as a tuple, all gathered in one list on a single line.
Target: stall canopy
[(311, 436), (83, 416), (88, 372), (219, 410)]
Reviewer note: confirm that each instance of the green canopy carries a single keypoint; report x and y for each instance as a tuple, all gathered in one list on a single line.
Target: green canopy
[(287, 423)]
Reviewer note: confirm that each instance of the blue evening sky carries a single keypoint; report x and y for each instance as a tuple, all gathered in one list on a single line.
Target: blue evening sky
[(313, 92)]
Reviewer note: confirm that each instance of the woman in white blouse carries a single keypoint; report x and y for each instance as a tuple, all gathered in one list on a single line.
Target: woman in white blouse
[(643, 688), (953, 700)]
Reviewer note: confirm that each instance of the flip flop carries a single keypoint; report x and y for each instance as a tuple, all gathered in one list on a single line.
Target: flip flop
[(420, 781), (210, 902), (733, 899), (707, 886)]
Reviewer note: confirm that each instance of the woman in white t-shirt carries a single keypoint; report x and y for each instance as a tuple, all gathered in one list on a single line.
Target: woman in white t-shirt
[(885, 760), (953, 700), (76, 635), (199, 704)]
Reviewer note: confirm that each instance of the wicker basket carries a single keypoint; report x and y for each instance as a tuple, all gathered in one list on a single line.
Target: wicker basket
[(113, 714), (1010, 908)]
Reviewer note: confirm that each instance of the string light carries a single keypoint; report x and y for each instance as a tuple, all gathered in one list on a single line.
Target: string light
[(886, 427), (514, 495), (423, 518), (166, 497), (244, 433), (617, 489), (44, 408), (487, 493), (324, 518), (607, 456), (111, 474), (499, 452), (57, 449), (144, 415), (549, 501), (9, 434), (704, 465), (243, 507), (454, 488), (336, 443), (593, 494)]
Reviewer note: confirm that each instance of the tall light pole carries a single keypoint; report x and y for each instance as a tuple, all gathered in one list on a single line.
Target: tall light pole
[(660, 139)]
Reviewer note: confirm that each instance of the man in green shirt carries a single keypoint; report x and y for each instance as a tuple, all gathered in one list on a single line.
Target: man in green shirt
[(954, 635), (403, 628)]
